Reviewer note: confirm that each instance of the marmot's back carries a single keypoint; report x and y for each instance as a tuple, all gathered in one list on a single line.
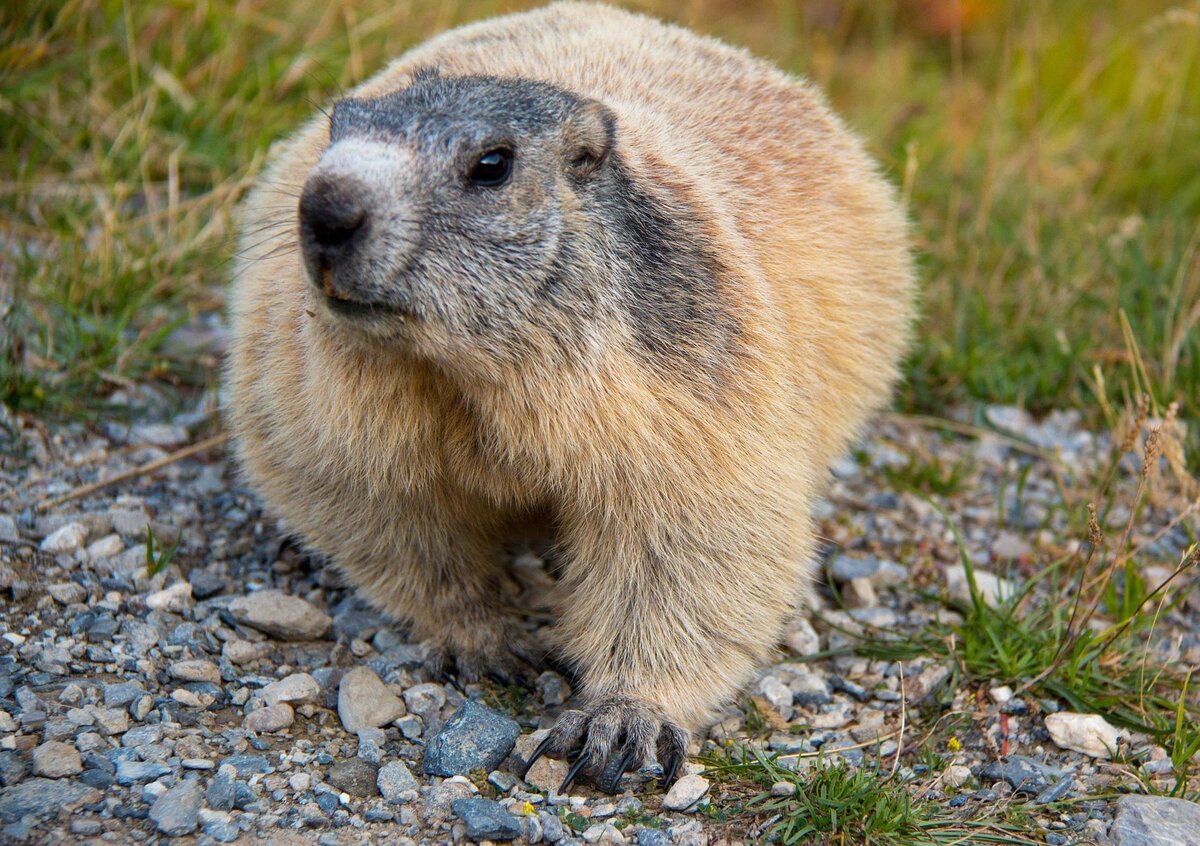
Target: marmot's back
[(796, 203)]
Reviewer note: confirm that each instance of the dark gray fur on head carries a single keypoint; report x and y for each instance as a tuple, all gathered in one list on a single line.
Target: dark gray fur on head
[(524, 269)]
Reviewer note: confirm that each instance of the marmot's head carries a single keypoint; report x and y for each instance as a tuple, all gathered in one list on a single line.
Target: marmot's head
[(439, 214), (478, 220)]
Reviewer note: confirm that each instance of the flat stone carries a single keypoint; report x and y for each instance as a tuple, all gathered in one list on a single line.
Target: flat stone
[(281, 616), (685, 793), (810, 689), (222, 789), (370, 745), (354, 776), (177, 812), (42, 798), (425, 699), (928, 682), (205, 583), (1023, 774), (1155, 821), (547, 773), (135, 772), (880, 573), (364, 701), (142, 735), (778, 694), (474, 736), (54, 759), (162, 435), (295, 689), (67, 593), (653, 837), (956, 775), (271, 718), (801, 638), (486, 819), (106, 547), (1090, 734), (196, 670), (993, 590), (219, 825), (8, 529), (396, 782), (111, 721), (859, 593), (12, 769), (239, 651), (247, 765), (175, 598), (65, 539)]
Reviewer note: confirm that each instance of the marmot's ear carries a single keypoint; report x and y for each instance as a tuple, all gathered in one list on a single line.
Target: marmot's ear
[(588, 137)]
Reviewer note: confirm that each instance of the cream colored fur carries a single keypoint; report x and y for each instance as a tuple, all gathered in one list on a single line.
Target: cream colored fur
[(683, 514)]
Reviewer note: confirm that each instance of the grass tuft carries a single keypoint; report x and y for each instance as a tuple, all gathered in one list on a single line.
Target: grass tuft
[(837, 803)]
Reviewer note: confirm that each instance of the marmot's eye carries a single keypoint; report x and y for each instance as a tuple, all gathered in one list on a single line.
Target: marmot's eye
[(492, 168)]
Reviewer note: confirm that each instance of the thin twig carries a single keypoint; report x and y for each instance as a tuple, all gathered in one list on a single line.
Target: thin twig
[(903, 713), (157, 464)]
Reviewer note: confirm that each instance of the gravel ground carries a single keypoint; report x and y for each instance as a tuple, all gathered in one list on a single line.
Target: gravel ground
[(243, 694)]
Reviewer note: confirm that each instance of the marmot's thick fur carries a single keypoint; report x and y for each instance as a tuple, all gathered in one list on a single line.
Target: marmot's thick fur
[(580, 265)]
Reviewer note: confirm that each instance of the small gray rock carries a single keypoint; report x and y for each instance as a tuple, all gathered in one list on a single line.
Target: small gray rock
[(486, 819), (219, 825), (354, 776), (879, 573), (281, 616), (364, 701), (1155, 821), (685, 793), (67, 593), (295, 689), (54, 759), (474, 736), (8, 529), (652, 837), (810, 690), (370, 745), (12, 769), (1023, 774), (135, 772), (65, 539), (43, 797), (177, 812), (271, 718), (426, 699), (123, 694), (395, 781), (222, 789), (196, 670)]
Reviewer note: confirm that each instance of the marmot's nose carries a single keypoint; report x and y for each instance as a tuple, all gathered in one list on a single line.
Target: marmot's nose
[(333, 219)]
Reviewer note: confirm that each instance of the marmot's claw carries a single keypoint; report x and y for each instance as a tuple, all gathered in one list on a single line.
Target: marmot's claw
[(573, 772), (609, 779), (616, 724)]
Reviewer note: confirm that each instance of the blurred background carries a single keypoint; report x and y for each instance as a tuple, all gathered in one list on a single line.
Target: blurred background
[(1049, 153)]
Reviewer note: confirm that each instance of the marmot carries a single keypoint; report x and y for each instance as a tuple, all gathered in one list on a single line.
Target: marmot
[(581, 264)]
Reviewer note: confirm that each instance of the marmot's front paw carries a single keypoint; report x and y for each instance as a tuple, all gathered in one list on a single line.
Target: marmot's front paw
[(499, 650), (632, 729)]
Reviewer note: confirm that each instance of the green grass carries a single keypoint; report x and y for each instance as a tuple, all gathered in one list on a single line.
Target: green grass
[(1041, 640), (836, 803), (1047, 151)]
